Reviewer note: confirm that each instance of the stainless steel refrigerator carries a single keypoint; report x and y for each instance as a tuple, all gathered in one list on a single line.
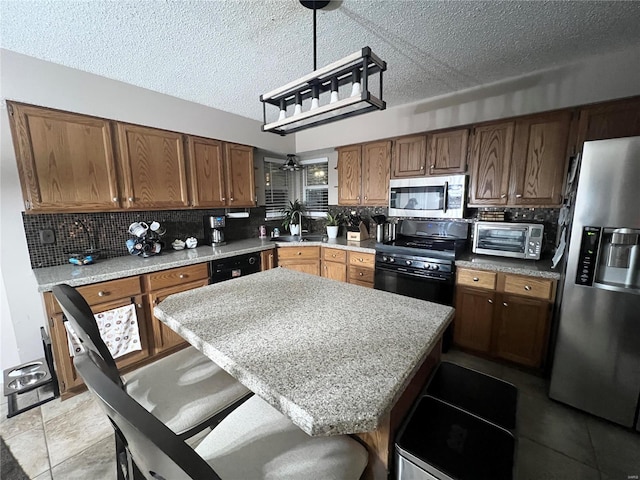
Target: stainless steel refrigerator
[(596, 365)]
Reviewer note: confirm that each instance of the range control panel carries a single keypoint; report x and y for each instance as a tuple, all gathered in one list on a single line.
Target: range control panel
[(588, 254)]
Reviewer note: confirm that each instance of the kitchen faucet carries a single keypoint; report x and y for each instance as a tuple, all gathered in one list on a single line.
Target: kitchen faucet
[(299, 221)]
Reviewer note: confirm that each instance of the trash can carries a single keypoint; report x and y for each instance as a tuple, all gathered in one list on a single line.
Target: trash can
[(444, 442), (488, 397)]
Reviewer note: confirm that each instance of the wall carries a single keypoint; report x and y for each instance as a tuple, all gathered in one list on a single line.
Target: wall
[(594, 79), (34, 81)]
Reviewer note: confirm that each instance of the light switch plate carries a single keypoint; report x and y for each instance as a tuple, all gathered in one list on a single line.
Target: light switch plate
[(47, 237)]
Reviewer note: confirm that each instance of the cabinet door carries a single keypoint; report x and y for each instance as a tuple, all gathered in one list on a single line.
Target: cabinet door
[(472, 327), (409, 156), (540, 155), (65, 161), (376, 166), (609, 120), (206, 173), (334, 271), (153, 167), (521, 329), (349, 175), (490, 164), (163, 337), (241, 184), (267, 259), (447, 152)]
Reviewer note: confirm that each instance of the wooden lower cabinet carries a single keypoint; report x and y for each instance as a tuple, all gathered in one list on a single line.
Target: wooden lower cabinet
[(334, 264), (302, 259), (474, 319), (268, 259), (521, 329), (361, 268), (110, 295), (507, 318)]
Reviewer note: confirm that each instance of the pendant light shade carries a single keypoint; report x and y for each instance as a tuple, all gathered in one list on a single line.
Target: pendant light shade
[(354, 70), (291, 165)]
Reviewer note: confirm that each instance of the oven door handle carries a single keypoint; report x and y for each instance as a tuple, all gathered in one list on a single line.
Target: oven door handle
[(403, 271), (446, 197)]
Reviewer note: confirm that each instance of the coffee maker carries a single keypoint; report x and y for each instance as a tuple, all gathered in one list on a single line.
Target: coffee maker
[(213, 230)]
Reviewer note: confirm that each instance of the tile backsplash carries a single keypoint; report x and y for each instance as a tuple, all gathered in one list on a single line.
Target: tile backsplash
[(77, 232)]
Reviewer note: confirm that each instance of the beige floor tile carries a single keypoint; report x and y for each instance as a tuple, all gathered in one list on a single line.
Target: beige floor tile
[(44, 476), (30, 450), (536, 462), (95, 463), (617, 449), (22, 422), (70, 433), (57, 407)]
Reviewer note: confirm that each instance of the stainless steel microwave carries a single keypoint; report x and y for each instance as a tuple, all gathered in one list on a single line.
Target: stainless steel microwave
[(428, 197), (515, 240)]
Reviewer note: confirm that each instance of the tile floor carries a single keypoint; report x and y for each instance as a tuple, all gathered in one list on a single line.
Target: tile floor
[(73, 439)]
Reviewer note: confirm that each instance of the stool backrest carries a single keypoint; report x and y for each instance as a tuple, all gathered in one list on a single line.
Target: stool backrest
[(78, 313), (156, 451)]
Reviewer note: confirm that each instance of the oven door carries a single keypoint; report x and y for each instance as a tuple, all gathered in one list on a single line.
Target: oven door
[(437, 289)]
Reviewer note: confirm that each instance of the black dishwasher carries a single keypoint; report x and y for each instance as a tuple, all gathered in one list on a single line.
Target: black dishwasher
[(233, 267)]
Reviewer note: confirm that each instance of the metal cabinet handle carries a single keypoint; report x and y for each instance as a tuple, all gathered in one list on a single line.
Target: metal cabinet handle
[(231, 199), (518, 195), (131, 199), (360, 273), (489, 300), (476, 279), (527, 288), (361, 259), (358, 197), (114, 199), (366, 197), (299, 253), (139, 305), (102, 294), (421, 167), (503, 195), (182, 275), (432, 166), (223, 198), (505, 304)]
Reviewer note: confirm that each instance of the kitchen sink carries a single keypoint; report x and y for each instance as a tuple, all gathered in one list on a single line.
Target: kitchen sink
[(296, 238)]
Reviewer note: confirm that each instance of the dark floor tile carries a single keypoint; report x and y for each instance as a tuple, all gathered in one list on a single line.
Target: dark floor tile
[(617, 449), (537, 462)]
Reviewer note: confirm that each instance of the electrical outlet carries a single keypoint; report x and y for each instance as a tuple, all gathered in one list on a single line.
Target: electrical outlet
[(47, 237)]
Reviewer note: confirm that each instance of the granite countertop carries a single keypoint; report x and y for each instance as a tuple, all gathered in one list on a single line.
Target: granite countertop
[(120, 267), (334, 357), (539, 268)]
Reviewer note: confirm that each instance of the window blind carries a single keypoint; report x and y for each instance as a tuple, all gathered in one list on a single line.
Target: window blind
[(316, 189), (276, 189)]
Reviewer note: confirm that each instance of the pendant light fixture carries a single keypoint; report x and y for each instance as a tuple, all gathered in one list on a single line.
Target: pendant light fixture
[(354, 70), (291, 165)]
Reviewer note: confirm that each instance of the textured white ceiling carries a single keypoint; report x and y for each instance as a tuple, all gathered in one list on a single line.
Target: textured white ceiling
[(224, 54)]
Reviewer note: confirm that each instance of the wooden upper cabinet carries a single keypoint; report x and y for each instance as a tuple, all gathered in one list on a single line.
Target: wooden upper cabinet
[(153, 168), (65, 161), (241, 184), (447, 152), (490, 160), (540, 156), (376, 166), (206, 172), (609, 120), (409, 156), (349, 175)]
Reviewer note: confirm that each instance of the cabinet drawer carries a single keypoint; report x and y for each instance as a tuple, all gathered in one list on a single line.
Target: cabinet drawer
[(361, 283), (361, 274), (177, 276), (298, 253), (529, 286), (107, 291), (362, 259), (477, 278), (334, 255)]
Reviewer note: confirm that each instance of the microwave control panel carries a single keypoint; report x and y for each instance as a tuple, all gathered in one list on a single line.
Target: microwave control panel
[(587, 256)]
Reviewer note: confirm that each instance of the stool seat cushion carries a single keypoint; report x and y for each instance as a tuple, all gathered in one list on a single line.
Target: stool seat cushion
[(257, 442), (183, 389)]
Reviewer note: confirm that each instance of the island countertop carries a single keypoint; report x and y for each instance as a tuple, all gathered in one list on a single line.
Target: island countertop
[(333, 357)]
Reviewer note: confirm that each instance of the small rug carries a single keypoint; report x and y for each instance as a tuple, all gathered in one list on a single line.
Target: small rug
[(10, 469)]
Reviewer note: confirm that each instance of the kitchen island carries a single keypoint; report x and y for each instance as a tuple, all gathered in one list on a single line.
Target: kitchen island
[(335, 358)]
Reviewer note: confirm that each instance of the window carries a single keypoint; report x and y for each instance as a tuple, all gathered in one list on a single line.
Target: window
[(276, 187), (316, 186)]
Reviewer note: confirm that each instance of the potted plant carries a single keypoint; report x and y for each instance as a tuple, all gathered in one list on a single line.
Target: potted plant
[(290, 219), (333, 224)]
